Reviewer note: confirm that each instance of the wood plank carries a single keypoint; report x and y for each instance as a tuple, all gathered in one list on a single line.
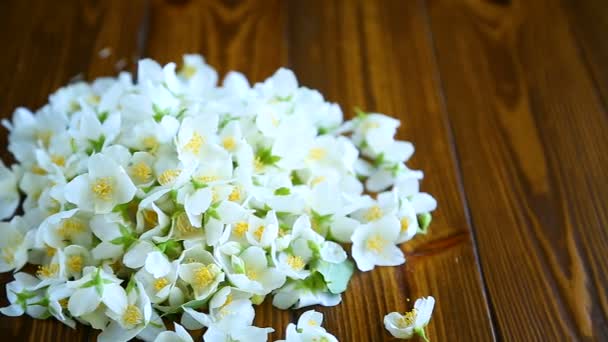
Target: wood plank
[(245, 36), (531, 134), (44, 46), (378, 55), (589, 21)]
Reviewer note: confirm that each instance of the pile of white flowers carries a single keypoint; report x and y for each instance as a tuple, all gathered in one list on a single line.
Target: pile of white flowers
[(177, 198)]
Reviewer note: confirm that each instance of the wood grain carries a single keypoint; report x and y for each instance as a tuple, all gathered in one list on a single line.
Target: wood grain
[(505, 101), (45, 45), (530, 132), (378, 56), (589, 21)]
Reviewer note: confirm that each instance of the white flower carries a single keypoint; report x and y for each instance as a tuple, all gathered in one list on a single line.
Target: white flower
[(298, 295), (15, 242), (194, 136), (262, 232), (412, 322), (374, 244), (58, 296), (376, 130), (249, 271), (95, 286), (102, 188), (179, 335), (200, 196), (63, 228), (22, 296), (308, 329), (9, 195), (158, 287), (202, 272), (114, 236), (130, 313), (229, 322)]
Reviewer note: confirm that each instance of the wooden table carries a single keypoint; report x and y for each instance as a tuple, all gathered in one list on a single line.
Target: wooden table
[(504, 100)]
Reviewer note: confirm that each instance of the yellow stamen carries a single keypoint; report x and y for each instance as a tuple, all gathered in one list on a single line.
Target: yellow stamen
[(240, 228), (44, 137), (295, 262), (168, 176), (258, 165), (235, 195), (204, 275), (374, 213), (8, 254), (317, 153), (74, 106), (206, 179), (368, 125), (274, 121), (229, 143), (195, 143), (132, 315), (407, 320), (38, 170), (229, 299), (102, 188), (376, 243), (93, 99), (187, 71), (215, 196), (69, 227), (75, 263), (259, 232), (160, 283), (47, 271), (150, 218), (312, 323), (50, 251), (405, 223), (183, 225), (150, 143), (63, 303), (251, 274), (317, 180), (58, 160), (141, 172)]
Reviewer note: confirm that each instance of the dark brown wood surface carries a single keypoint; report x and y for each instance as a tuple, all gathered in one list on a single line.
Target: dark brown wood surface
[(505, 102)]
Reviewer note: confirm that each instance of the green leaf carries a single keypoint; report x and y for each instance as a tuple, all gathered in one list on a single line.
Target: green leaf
[(226, 119), (257, 299), (379, 160), (314, 282), (73, 145), (96, 145), (424, 220), (316, 251), (171, 248), (282, 98), (360, 114), (237, 264), (336, 276), (181, 113), (131, 284), (283, 191), (295, 178), (97, 281), (199, 184), (196, 304), (159, 112), (103, 116), (265, 156)]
